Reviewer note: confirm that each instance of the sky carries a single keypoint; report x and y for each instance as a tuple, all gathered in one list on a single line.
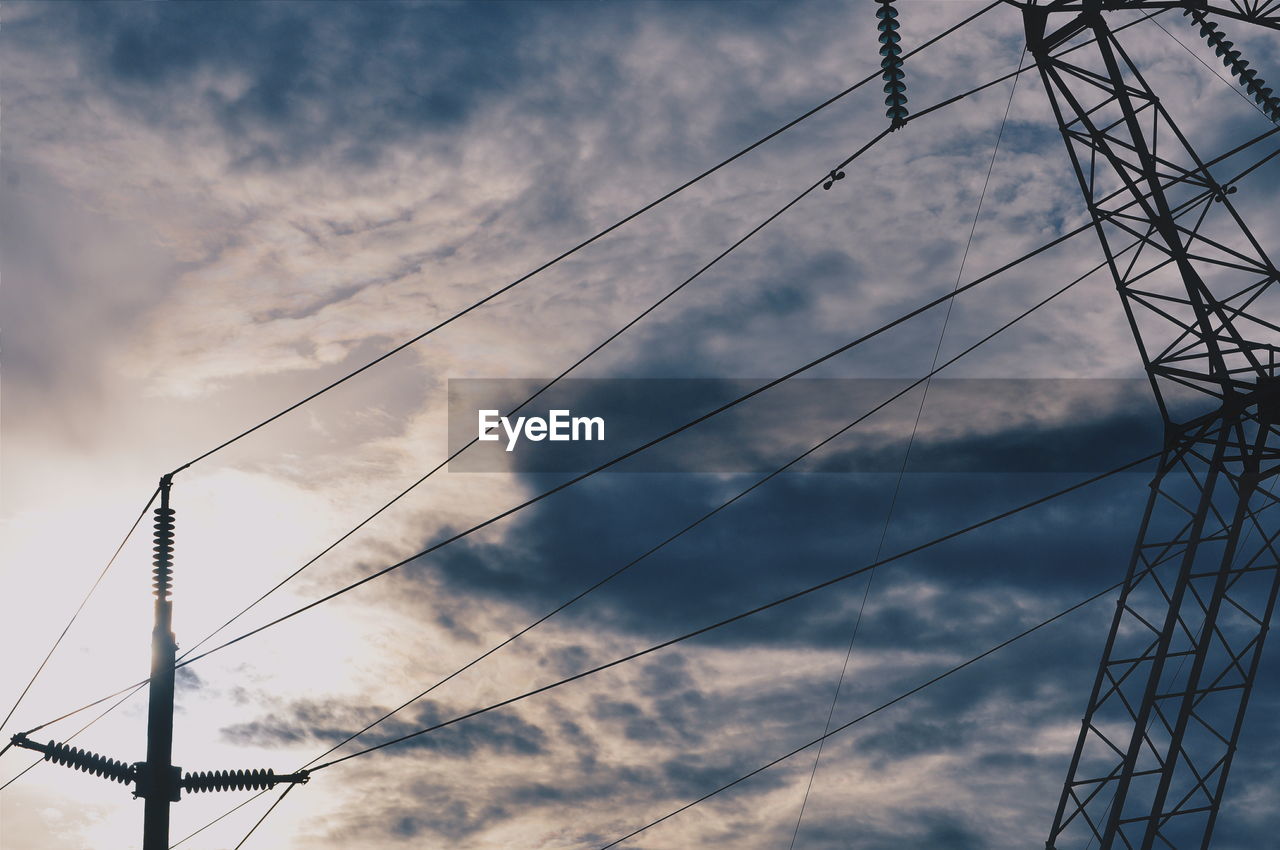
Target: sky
[(210, 211)]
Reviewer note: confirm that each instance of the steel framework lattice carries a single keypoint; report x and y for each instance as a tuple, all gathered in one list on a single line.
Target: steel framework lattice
[(1165, 712)]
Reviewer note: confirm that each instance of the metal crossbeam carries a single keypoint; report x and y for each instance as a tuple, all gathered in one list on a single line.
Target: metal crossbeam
[(1159, 733), (1262, 12)]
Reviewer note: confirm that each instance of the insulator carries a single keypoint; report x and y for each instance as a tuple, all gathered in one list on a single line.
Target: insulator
[(891, 64), (1249, 79), (117, 771), (163, 561), (229, 780), (238, 780)]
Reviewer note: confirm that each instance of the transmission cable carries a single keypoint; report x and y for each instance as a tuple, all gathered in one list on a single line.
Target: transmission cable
[(285, 793), (422, 479), (185, 659), (599, 347), (694, 422), (225, 815), (1215, 72), (79, 608), (547, 386), (906, 459), (672, 538), (713, 512), (641, 448), (523, 631), (1186, 206), (583, 359), (901, 697), (749, 613), (905, 695), (74, 734), (549, 263), (712, 413)]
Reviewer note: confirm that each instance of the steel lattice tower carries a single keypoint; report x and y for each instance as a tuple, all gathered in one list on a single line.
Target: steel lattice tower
[(1164, 715)]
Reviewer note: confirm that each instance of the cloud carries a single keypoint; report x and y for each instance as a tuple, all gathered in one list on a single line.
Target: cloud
[(215, 209)]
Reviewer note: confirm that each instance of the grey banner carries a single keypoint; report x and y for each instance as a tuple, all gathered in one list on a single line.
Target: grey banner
[(966, 425)]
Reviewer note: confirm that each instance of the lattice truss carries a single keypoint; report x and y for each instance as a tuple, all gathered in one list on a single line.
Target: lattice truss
[(1197, 289), (1166, 709)]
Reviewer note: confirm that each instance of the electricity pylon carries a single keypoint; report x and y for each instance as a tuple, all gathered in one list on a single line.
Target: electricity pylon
[(1165, 712), (157, 780)]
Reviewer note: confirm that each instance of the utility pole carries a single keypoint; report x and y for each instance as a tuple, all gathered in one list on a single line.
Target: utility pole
[(1165, 712), (157, 781)]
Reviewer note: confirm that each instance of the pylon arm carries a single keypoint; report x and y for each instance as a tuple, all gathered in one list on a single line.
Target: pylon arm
[(118, 771), (109, 768), (1264, 14)]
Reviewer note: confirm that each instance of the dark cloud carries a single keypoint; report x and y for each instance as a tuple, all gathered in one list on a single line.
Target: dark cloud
[(340, 79), (802, 528), (290, 82), (502, 734)]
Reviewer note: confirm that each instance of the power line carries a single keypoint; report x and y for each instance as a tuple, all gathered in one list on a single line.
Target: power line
[(906, 457), (1214, 71), (185, 660), (763, 140), (791, 597), (713, 512), (79, 608), (710, 414), (672, 538), (547, 386), (704, 417), (579, 362), (638, 449), (225, 815), (549, 263), (767, 606), (1185, 206), (907, 694), (619, 332), (270, 809), (74, 734)]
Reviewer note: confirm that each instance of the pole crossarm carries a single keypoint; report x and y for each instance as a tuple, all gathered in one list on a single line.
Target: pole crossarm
[(119, 771), (1264, 13), (1167, 705)]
